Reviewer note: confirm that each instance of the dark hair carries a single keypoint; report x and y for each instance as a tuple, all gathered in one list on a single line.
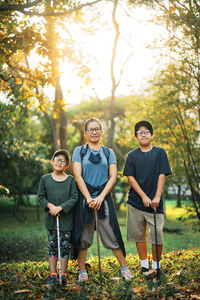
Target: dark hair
[(91, 120), (144, 124), (62, 152)]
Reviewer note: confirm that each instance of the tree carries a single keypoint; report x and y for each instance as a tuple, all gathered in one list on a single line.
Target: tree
[(19, 38)]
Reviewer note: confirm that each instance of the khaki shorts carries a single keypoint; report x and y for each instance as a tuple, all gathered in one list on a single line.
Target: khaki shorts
[(137, 221), (105, 231)]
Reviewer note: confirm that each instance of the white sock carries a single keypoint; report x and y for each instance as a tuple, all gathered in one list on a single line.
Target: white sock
[(154, 264), (144, 263)]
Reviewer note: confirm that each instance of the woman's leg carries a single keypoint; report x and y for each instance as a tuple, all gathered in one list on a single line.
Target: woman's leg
[(120, 256), (81, 259)]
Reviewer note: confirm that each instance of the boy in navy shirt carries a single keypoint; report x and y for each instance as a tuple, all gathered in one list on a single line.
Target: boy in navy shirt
[(146, 168)]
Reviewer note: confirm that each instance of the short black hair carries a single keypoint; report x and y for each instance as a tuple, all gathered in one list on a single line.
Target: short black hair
[(62, 152), (144, 124)]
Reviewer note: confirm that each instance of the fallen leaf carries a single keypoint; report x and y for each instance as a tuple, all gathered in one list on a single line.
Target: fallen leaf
[(136, 289), (105, 270), (178, 273), (77, 288), (2, 283), (21, 291)]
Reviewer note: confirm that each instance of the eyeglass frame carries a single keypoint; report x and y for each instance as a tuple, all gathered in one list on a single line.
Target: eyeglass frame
[(59, 160), (91, 130), (141, 132)]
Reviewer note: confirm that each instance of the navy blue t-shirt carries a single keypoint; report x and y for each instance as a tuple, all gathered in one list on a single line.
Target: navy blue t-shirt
[(146, 167)]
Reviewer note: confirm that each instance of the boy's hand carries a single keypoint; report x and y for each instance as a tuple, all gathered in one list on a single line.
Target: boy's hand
[(54, 210), (146, 201), (155, 202)]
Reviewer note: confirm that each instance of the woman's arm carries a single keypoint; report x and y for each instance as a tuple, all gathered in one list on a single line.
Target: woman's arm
[(77, 171), (108, 187)]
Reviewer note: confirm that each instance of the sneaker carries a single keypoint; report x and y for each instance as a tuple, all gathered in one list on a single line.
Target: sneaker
[(63, 280), (148, 273), (126, 274), (144, 270), (51, 282), (83, 276), (160, 274)]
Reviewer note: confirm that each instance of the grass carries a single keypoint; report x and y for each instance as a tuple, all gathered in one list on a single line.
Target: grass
[(20, 236), (24, 266), (27, 280)]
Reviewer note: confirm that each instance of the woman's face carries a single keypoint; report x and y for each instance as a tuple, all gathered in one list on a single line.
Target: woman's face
[(93, 132)]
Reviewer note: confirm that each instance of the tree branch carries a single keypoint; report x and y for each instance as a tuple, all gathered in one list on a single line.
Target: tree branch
[(21, 8), (17, 7)]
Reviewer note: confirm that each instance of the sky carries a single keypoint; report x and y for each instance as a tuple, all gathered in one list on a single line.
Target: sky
[(137, 35)]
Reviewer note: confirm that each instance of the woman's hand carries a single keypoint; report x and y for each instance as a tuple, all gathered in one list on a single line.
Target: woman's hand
[(98, 202)]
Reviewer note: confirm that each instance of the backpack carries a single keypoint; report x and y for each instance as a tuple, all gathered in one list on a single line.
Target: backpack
[(84, 150)]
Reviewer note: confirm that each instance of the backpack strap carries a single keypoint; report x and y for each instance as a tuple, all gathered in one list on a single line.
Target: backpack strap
[(83, 151), (107, 153)]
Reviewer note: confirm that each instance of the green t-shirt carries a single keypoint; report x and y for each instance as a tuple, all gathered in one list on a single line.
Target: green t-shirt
[(64, 194)]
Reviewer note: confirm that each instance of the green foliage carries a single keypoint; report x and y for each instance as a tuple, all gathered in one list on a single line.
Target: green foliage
[(4, 190), (19, 157), (181, 279)]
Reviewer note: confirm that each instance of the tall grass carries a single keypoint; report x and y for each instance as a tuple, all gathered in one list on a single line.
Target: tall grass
[(24, 238)]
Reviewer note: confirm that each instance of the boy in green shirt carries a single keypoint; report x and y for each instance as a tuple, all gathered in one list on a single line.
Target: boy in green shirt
[(58, 195)]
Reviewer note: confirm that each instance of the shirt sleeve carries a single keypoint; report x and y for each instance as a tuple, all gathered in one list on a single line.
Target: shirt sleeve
[(76, 157), (112, 158), (164, 167), (70, 203), (42, 195), (129, 168)]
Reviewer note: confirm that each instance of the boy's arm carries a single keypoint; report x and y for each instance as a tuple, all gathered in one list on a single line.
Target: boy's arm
[(42, 194), (145, 199), (53, 210), (156, 200), (70, 203)]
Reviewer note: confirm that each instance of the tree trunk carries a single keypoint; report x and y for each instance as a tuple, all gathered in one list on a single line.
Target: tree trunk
[(60, 106), (53, 124), (178, 204), (114, 85)]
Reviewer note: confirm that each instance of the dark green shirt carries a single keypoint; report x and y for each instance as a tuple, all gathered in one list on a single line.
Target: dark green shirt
[(64, 194)]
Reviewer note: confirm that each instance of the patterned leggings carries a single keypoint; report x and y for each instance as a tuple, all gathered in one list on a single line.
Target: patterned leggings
[(65, 238)]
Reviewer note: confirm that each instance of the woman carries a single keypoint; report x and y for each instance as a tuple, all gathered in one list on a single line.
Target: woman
[(95, 172)]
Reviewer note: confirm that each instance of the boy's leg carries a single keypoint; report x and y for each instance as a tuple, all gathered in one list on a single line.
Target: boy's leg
[(151, 237), (142, 250), (160, 248), (64, 265), (136, 232), (53, 264), (52, 252)]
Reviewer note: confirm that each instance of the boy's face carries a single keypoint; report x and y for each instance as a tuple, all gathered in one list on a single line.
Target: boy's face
[(59, 163), (144, 136)]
